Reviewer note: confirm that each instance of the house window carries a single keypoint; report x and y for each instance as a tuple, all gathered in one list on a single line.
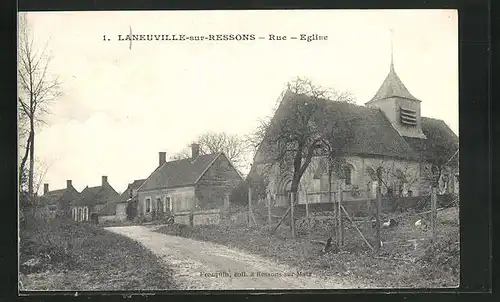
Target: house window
[(148, 205), (168, 204)]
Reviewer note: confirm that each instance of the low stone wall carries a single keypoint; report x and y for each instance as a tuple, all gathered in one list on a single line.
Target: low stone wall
[(103, 219), (205, 217), (240, 218), (112, 218), (181, 219)]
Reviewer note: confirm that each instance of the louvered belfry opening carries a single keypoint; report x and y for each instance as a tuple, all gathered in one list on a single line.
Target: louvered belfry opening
[(408, 116)]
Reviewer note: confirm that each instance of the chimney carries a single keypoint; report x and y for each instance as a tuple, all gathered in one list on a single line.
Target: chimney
[(162, 158), (68, 183), (104, 180), (45, 188), (195, 151)]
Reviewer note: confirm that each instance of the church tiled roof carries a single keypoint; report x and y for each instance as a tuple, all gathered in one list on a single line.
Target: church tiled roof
[(392, 87), (367, 131)]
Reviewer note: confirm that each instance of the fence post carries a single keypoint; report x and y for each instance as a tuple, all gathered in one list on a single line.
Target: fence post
[(191, 218), (309, 229), (292, 218), (249, 206), (339, 214), (269, 220), (433, 214), (377, 213), (369, 207), (307, 205)]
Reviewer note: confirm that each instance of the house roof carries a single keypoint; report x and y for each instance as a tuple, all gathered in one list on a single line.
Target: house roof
[(108, 210), (62, 196), (179, 173), (125, 196), (392, 87), (97, 195), (367, 131), (441, 143)]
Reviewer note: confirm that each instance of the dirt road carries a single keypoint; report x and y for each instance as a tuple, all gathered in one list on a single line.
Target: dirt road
[(207, 266)]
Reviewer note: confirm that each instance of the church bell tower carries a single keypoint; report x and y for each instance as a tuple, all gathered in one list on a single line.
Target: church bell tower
[(398, 104)]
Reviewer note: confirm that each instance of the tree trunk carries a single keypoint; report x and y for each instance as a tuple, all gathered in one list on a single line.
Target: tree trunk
[(32, 161), (24, 159)]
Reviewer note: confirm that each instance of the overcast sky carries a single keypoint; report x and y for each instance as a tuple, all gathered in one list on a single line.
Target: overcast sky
[(122, 106)]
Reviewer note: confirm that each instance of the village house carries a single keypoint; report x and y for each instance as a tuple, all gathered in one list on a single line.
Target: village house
[(388, 133), (95, 202), (129, 199), (58, 202), (196, 183)]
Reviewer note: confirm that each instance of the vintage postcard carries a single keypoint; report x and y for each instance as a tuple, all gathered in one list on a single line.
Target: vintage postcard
[(231, 150)]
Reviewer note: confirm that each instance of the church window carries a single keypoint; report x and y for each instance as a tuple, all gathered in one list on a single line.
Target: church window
[(347, 174)]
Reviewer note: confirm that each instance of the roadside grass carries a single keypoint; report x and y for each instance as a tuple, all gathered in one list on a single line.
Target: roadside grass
[(398, 265), (63, 255)]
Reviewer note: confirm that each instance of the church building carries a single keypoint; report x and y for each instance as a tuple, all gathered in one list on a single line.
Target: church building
[(388, 133)]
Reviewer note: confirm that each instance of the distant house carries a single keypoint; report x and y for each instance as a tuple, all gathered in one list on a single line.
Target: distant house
[(388, 134), (59, 201), (198, 182), (98, 201), (129, 199)]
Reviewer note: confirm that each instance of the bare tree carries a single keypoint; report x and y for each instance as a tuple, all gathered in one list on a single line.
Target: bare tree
[(36, 89), (41, 169), (233, 146), (183, 154), (395, 179), (304, 130)]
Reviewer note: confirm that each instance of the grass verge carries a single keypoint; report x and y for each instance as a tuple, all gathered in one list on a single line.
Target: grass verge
[(398, 266), (63, 255)]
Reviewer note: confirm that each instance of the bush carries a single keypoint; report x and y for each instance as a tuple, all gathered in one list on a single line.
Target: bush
[(444, 255), (82, 256)]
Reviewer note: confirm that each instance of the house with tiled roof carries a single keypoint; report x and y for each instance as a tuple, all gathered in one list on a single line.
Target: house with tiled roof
[(203, 181), (98, 201), (129, 200), (59, 201), (387, 134)]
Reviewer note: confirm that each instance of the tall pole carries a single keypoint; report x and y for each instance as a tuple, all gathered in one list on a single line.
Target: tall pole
[(249, 206), (433, 214), (339, 213), (307, 205), (269, 220), (292, 220), (377, 213)]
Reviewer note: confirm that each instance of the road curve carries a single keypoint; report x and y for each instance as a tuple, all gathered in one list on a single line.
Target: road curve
[(201, 265)]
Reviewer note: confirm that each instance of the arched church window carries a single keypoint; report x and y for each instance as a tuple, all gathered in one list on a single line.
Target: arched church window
[(347, 171)]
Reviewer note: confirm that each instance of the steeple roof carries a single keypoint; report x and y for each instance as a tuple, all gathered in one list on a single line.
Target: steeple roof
[(392, 85)]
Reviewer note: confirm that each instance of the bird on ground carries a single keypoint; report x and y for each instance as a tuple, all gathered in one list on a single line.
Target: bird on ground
[(389, 223)]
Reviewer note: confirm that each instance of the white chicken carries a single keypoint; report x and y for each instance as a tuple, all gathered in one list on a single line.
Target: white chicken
[(389, 223), (421, 224)]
